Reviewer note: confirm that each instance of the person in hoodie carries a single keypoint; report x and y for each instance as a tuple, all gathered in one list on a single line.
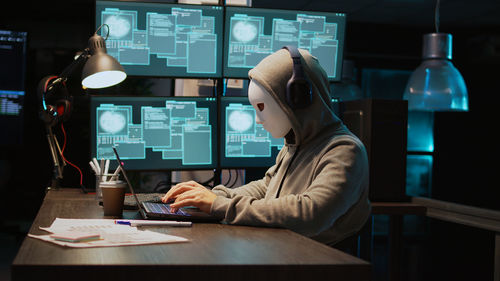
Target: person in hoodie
[(319, 184)]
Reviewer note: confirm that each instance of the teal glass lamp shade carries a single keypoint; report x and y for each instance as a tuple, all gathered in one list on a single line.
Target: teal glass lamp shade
[(436, 85), (101, 70)]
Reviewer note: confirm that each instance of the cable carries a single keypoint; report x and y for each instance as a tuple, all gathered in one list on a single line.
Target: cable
[(99, 28), (64, 143), (62, 155), (436, 16), (229, 179), (235, 179), (228, 184)]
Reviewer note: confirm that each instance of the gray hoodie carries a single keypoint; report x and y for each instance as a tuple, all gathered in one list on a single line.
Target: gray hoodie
[(319, 184)]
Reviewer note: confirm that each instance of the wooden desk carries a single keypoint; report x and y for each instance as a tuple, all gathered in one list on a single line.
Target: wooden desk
[(216, 252)]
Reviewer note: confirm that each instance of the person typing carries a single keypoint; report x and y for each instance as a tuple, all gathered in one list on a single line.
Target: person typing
[(318, 186)]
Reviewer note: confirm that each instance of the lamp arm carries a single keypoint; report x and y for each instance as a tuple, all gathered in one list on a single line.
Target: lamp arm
[(55, 152), (82, 58), (66, 73)]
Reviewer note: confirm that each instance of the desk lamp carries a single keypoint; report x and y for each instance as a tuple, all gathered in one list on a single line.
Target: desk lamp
[(100, 70), (436, 85)]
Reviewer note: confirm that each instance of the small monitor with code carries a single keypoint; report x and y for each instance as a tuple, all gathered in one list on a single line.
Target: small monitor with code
[(13, 53)]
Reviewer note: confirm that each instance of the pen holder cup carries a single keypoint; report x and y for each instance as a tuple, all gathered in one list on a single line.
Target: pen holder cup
[(113, 194), (99, 178)]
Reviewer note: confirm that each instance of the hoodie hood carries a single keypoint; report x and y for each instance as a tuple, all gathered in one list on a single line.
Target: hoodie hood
[(273, 73)]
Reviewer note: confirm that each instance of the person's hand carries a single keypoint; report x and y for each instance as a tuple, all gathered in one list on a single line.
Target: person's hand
[(189, 193)]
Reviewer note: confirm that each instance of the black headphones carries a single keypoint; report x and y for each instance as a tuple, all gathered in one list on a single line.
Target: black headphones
[(298, 88), (55, 107)]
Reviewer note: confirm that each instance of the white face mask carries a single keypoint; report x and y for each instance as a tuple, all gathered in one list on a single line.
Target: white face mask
[(269, 113)]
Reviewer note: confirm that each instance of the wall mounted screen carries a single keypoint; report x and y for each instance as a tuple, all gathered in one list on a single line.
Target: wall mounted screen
[(251, 34), (244, 143), (164, 40), (155, 133), (12, 89)]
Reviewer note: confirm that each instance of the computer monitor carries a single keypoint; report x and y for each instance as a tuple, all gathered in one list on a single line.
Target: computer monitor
[(162, 39), (12, 85), (244, 143), (155, 133), (251, 34)]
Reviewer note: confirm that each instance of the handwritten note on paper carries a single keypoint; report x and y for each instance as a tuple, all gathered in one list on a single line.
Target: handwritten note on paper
[(111, 234)]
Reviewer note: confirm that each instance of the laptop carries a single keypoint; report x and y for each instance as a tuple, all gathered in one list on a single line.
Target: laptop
[(161, 211)]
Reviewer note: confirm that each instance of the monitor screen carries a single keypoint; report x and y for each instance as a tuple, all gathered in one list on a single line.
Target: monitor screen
[(12, 89), (251, 34), (155, 133), (163, 40), (244, 143)]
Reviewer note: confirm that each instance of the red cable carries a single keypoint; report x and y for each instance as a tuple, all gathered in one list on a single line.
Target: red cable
[(64, 143), (62, 154)]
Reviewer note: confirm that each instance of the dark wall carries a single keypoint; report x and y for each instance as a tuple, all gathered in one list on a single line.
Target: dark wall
[(466, 151), (463, 140), (55, 34), (465, 147)]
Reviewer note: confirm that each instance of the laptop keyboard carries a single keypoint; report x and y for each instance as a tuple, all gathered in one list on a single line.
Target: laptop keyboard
[(160, 208)]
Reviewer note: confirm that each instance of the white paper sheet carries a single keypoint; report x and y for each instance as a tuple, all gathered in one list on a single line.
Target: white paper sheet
[(111, 234)]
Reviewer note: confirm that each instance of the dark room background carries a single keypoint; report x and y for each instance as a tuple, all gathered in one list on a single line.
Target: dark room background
[(380, 43)]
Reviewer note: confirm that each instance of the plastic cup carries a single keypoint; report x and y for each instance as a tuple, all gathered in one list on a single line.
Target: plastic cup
[(113, 194)]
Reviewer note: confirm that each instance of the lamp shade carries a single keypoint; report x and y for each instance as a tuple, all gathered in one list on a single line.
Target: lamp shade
[(101, 70), (436, 85)]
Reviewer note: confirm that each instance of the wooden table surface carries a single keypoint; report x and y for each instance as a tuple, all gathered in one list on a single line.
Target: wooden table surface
[(215, 252)]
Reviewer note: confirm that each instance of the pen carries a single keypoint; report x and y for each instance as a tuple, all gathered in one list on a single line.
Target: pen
[(157, 223)]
